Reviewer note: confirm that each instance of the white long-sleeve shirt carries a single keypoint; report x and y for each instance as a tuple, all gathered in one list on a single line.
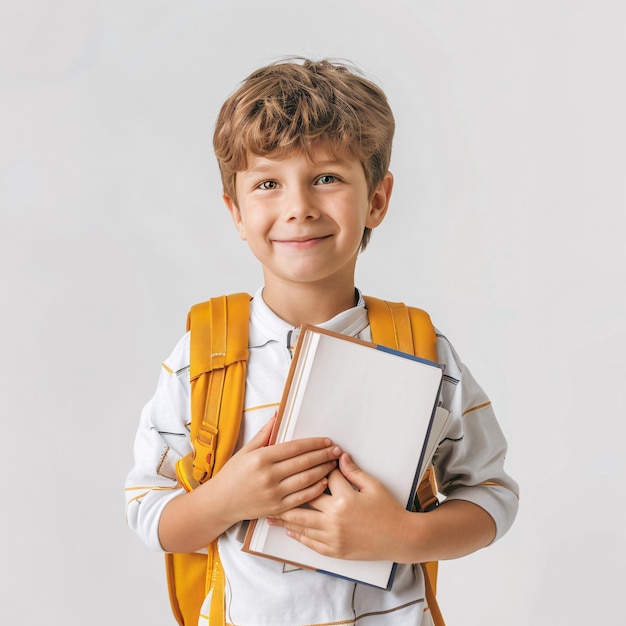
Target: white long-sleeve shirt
[(261, 592)]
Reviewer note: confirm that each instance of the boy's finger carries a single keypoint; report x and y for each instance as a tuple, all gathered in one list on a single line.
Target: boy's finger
[(303, 447), (338, 483), (350, 472)]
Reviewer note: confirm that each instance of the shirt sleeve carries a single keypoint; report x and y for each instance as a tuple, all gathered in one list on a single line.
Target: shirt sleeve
[(469, 462), (162, 438)]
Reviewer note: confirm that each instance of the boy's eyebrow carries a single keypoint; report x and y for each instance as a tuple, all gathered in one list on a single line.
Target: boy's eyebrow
[(331, 162), (261, 168)]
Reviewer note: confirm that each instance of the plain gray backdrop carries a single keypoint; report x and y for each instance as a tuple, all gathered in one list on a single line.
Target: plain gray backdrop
[(507, 224)]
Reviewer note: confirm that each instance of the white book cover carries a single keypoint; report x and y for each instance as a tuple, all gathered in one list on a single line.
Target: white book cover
[(379, 405)]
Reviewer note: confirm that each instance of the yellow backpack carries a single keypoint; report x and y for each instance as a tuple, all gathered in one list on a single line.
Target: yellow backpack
[(217, 372)]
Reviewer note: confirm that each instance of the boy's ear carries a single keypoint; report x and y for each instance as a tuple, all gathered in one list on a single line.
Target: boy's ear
[(235, 213), (379, 203)]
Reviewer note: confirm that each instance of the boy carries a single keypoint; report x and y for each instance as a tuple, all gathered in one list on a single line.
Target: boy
[(303, 151)]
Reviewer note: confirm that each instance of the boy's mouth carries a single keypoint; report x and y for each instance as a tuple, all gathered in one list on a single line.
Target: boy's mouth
[(301, 242)]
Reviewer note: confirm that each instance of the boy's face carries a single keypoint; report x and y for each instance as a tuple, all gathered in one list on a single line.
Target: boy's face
[(303, 218)]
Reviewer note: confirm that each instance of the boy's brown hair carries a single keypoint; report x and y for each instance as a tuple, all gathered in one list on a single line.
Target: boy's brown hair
[(292, 106)]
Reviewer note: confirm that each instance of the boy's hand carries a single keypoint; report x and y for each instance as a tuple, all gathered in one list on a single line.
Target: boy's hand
[(349, 523), (261, 480)]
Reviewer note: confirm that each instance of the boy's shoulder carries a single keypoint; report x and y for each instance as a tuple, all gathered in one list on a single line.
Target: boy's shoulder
[(447, 355), (178, 360)]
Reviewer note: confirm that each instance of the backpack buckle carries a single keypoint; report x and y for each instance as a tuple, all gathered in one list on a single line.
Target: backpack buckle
[(204, 452)]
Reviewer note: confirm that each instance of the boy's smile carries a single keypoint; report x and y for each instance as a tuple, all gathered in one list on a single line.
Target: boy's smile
[(304, 218)]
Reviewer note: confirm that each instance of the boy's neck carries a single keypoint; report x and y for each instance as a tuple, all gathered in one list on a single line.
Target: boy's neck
[(308, 304)]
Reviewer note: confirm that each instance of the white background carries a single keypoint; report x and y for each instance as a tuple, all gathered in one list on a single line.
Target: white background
[(507, 224)]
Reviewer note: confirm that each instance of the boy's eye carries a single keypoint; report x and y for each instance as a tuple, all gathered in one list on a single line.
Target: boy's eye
[(268, 185), (327, 179)]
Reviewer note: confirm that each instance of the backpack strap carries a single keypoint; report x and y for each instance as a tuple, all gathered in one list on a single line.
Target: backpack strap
[(218, 361), (410, 330), (402, 328), (217, 373)]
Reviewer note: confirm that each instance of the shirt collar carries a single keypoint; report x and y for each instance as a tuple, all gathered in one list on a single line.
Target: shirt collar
[(267, 326)]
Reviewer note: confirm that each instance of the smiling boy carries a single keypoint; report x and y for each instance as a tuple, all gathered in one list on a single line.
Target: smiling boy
[(303, 217), (304, 151)]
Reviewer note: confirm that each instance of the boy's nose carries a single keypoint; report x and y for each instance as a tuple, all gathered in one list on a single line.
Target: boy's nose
[(300, 206)]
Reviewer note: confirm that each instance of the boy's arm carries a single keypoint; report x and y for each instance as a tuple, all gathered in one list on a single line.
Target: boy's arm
[(161, 439)]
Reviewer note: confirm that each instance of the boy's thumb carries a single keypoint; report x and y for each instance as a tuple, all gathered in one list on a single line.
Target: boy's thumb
[(352, 472)]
